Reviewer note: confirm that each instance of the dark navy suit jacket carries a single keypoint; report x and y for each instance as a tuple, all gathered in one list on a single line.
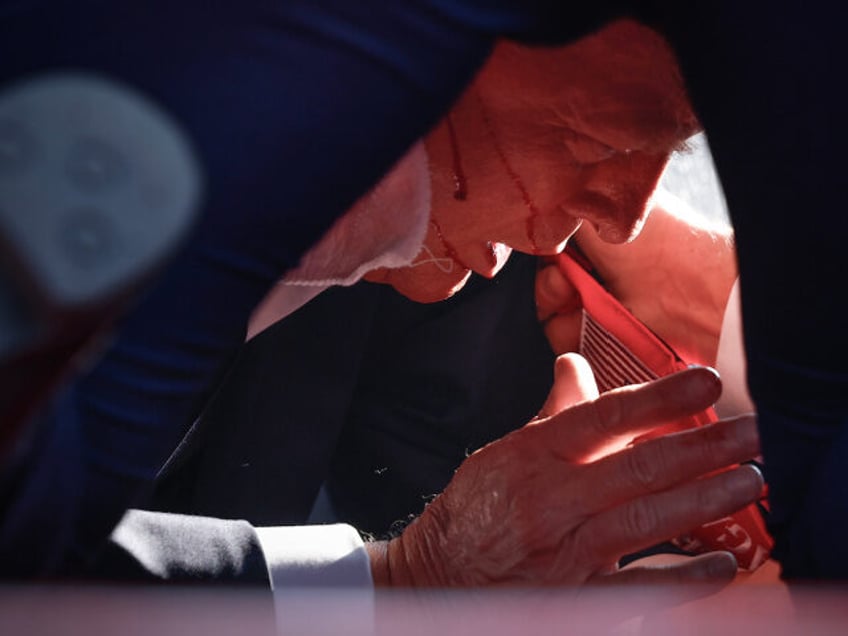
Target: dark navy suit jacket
[(379, 397)]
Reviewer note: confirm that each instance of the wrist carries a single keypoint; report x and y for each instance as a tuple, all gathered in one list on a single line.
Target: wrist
[(390, 566), (408, 560), (378, 556)]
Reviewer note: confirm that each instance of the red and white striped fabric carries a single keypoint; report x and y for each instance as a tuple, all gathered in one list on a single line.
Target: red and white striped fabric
[(614, 364)]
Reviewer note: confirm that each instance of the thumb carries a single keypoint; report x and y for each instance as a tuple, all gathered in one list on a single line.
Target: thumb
[(573, 382), (559, 308), (554, 293)]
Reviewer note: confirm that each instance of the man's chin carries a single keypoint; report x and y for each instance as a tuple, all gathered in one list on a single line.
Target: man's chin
[(419, 287)]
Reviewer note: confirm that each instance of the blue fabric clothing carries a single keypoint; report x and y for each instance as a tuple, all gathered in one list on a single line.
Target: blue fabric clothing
[(764, 84), (295, 107)]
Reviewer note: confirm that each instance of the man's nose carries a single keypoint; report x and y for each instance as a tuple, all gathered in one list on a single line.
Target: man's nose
[(616, 195)]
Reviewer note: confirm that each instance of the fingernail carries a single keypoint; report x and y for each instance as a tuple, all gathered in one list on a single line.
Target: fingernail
[(722, 566), (747, 482), (706, 368), (703, 385)]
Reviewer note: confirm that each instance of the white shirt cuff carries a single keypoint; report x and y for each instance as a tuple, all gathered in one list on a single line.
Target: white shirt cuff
[(302, 559), (315, 556)]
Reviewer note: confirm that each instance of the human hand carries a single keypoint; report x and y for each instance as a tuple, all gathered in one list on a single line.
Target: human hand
[(546, 505), (675, 277)]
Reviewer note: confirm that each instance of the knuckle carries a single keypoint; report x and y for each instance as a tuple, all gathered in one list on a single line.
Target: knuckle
[(719, 447), (606, 414), (712, 447), (717, 436), (578, 552), (644, 465), (640, 519), (710, 497)]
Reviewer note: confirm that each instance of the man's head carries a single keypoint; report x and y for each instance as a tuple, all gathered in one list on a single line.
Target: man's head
[(542, 140)]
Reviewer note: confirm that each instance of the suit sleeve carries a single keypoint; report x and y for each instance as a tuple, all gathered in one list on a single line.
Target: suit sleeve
[(156, 546)]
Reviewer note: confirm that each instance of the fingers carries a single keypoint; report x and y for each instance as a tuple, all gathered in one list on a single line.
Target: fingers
[(716, 568), (574, 382), (554, 294), (582, 432), (664, 462), (651, 519), (678, 579), (563, 331), (559, 309)]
